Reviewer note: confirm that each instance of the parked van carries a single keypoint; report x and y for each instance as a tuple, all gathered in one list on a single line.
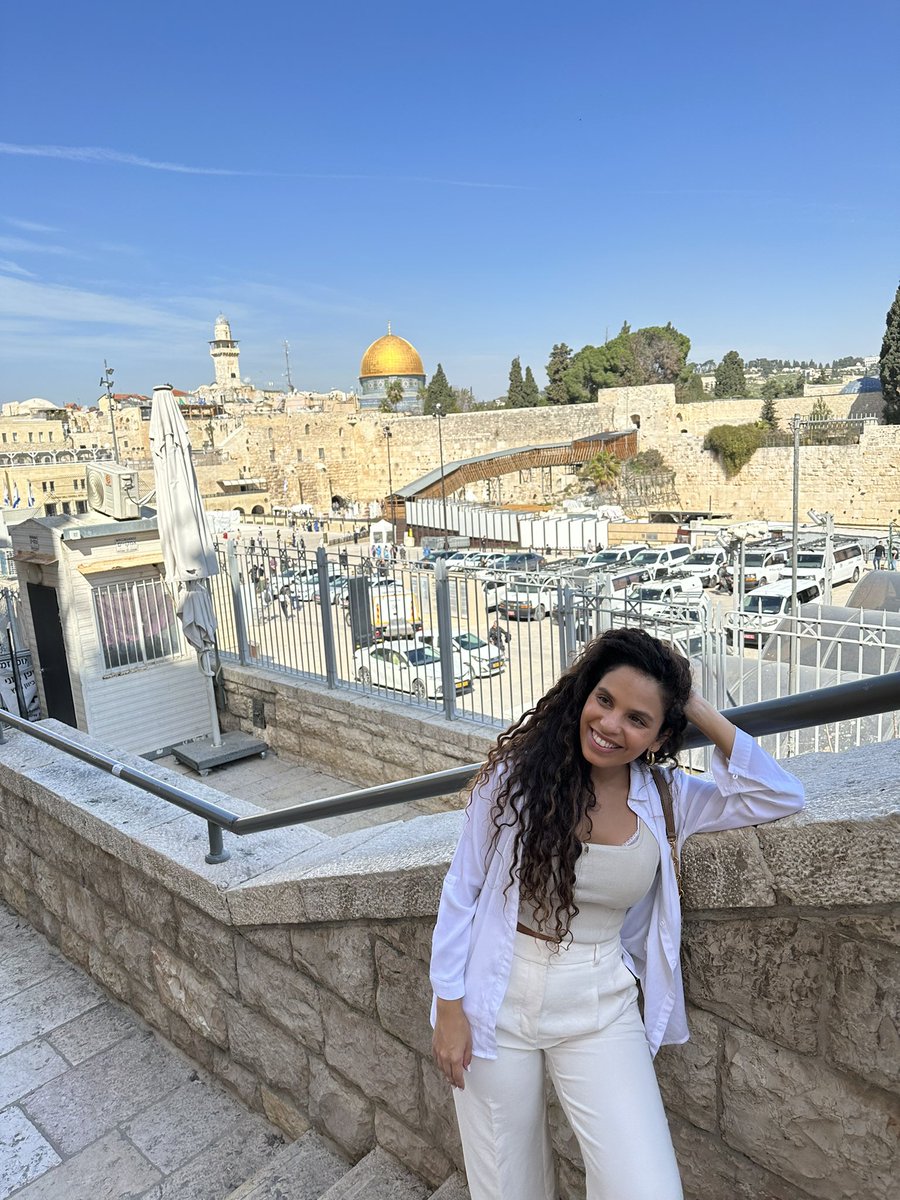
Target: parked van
[(526, 601), (768, 605), (658, 561), (765, 564), (847, 560)]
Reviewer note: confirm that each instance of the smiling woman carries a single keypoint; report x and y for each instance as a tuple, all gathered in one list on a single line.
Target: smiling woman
[(562, 899)]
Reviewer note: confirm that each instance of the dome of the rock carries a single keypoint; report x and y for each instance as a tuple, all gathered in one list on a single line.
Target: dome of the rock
[(388, 360)]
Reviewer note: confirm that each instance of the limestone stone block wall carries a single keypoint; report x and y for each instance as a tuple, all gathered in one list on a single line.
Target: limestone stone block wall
[(859, 483), (354, 737), (297, 971)]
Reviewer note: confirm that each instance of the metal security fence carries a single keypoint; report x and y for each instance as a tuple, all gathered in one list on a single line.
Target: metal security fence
[(485, 645)]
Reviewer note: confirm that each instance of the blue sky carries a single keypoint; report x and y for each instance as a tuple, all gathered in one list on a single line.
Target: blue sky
[(491, 178)]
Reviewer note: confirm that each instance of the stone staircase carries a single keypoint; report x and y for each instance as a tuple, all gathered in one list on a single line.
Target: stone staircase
[(309, 1169)]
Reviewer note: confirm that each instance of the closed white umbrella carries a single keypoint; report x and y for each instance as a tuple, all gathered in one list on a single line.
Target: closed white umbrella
[(187, 544)]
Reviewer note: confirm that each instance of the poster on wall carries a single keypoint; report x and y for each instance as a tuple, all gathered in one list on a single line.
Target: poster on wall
[(9, 699)]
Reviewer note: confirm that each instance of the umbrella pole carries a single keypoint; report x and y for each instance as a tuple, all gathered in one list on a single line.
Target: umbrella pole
[(215, 731)]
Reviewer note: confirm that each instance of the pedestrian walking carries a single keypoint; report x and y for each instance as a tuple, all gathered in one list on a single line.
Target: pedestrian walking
[(878, 556), (562, 895), (284, 599), (498, 636)]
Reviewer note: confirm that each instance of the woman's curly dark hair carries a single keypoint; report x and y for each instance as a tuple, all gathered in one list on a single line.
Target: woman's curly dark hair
[(546, 786)]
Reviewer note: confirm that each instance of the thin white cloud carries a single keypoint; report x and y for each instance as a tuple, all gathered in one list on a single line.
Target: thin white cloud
[(104, 157), (17, 245), (49, 302), (97, 154), (30, 226), (8, 267)]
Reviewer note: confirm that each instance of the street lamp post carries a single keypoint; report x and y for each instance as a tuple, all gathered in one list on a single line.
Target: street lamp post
[(439, 416), (388, 434)]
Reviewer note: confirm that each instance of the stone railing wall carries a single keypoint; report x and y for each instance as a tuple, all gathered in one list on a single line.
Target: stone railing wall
[(297, 971)]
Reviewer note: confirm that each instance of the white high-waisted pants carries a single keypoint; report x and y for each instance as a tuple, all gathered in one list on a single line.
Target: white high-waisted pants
[(576, 1010)]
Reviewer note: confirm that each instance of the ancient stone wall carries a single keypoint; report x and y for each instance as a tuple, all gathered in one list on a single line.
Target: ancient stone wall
[(297, 971)]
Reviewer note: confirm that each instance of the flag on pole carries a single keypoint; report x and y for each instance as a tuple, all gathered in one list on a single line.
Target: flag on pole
[(30, 495), (17, 499)]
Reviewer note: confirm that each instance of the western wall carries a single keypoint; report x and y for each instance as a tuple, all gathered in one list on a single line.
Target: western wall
[(311, 457)]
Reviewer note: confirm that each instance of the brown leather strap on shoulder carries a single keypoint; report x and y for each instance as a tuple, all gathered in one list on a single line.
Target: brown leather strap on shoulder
[(668, 807)]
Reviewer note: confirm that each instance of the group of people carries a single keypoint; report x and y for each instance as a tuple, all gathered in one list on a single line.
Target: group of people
[(882, 560)]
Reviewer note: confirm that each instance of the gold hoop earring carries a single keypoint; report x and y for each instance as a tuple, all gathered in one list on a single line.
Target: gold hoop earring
[(651, 758)]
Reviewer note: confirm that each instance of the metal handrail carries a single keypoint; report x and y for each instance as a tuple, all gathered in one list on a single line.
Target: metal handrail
[(843, 702)]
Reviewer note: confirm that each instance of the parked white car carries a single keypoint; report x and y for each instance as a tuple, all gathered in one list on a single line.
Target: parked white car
[(659, 561), (407, 666), (705, 564), (769, 604), (470, 651)]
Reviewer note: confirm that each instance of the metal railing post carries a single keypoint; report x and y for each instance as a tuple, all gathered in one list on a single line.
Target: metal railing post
[(331, 667), (445, 638), (217, 852), (237, 603)]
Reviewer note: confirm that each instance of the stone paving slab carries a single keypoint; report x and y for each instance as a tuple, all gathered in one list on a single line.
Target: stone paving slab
[(274, 783), (110, 1169), (224, 1164), (26, 964), (171, 1132), (24, 1153), (95, 1106), (94, 1031), (40, 1008), (91, 1099), (26, 1069)]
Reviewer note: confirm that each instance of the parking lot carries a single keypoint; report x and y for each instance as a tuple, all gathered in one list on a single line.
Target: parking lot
[(284, 630)]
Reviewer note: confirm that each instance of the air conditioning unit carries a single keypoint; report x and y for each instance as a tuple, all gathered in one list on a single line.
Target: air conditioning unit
[(111, 490)]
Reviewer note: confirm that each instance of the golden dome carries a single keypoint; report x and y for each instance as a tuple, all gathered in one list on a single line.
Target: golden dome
[(390, 355)]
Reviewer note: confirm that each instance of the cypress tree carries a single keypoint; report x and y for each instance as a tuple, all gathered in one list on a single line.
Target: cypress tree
[(889, 364), (440, 392), (531, 395), (560, 357), (515, 397), (730, 380)]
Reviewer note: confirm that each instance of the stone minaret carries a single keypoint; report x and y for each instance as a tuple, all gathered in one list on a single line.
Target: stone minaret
[(225, 354)]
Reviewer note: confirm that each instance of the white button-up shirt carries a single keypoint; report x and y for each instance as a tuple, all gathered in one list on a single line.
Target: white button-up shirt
[(472, 948)]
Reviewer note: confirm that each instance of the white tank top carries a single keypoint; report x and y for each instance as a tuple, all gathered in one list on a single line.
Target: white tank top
[(608, 880)]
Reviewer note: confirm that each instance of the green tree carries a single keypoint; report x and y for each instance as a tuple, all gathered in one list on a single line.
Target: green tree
[(730, 381), (691, 391), (595, 367), (768, 414), (560, 358), (393, 395), (601, 471), (889, 364), (820, 410), (531, 393), (660, 354), (646, 462), (440, 392), (515, 396)]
